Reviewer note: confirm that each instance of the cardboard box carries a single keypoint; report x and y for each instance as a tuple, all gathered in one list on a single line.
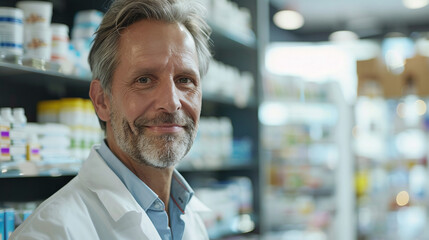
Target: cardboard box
[(416, 72), (392, 84), (374, 79), (369, 74)]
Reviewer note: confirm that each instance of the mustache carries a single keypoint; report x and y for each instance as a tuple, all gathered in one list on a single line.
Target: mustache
[(178, 118)]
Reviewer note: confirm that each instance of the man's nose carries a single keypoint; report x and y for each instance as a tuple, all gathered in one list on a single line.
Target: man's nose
[(168, 97)]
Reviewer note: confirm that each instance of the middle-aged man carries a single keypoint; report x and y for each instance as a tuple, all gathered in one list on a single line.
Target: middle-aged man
[(147, 59)]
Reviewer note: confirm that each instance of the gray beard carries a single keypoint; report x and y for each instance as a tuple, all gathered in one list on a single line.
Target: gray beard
[(157, 151)]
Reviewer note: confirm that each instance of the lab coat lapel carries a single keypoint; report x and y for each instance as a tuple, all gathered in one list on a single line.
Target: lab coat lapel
[(197, 206), (195, 229), (113, 194)]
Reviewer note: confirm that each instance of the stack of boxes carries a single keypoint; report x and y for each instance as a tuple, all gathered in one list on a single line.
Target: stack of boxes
[(413, 79)]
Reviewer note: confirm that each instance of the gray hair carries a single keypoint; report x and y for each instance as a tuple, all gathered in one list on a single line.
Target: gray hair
[(123, 13)]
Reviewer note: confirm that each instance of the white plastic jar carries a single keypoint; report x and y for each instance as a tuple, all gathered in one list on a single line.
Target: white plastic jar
[(60, 42), (36, 13), (47, 111), (72, 114), (11, 31)]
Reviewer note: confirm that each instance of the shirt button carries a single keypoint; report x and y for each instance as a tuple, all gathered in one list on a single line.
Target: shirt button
[(158, 205)]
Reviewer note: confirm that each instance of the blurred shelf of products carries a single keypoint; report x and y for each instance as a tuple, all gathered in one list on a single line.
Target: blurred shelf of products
[(56, 144), (305, 149), (302, 155), (390, 142)]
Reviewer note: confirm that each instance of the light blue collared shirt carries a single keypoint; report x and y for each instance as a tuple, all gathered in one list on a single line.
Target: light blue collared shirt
[(180, 195)]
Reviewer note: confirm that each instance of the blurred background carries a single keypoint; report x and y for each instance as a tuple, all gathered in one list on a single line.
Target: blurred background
[(314, 122)]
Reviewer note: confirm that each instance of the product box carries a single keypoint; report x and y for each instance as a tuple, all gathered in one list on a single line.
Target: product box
[(26, 214), (9, 222), (370, 68), (2, 236), (392, 84), (370, 73), (375, 79), (417, 73)]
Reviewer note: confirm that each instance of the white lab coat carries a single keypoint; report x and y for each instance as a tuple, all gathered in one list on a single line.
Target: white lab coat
[(97, 205)]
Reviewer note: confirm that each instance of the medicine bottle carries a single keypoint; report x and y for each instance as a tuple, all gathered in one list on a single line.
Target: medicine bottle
[(48, 111), (18, 136), (33, 148), (19, 118), (72, 114), (4, 140), (7, 119), (6, 114)]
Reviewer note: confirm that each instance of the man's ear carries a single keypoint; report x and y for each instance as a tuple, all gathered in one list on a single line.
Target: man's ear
[(99, 100)]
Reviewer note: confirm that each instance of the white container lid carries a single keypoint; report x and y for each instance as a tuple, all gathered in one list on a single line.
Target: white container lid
[(19, 113), (34, 4), (6, 114), (88, 16), (11, 12), (36, 12), (59, 29)]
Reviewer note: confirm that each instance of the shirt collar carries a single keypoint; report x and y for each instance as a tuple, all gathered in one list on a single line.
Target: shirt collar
[(181, 192)]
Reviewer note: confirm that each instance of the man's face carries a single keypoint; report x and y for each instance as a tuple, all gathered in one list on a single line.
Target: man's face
[(156, 93)]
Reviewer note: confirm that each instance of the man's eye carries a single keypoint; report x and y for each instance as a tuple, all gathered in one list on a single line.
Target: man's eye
[(143, 80), (185, 80)]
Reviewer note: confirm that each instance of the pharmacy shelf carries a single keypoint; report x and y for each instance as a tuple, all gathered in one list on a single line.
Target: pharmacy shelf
[(217, 98), (199, 177), (31, 188), (241, 170), (38, 77), (226, 39), (59, 173), (315, 192)]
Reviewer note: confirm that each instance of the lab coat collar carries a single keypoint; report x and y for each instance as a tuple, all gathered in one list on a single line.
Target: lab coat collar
[(114, 195), (111, 191)]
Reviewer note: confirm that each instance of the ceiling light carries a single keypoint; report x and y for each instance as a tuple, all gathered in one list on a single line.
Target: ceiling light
[(343, 36), (288, 20), (415, 4)]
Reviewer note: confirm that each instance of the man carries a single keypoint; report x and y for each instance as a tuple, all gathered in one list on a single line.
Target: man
[(147, 60)]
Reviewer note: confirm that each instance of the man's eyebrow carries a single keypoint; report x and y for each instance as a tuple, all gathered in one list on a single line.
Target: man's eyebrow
[(189, 72), (144, 71)]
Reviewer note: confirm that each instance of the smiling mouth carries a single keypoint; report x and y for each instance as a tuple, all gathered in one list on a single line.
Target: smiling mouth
[(167, 128)]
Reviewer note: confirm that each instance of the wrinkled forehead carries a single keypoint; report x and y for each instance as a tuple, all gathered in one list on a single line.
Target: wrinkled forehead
[(151, 34), (155, 43)]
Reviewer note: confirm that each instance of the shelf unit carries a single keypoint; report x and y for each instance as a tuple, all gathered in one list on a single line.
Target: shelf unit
[(22, 86), (391, 167), (308, 162)]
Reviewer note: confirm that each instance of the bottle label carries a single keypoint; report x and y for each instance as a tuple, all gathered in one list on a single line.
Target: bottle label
[(5, 151), (4, 133), (35, 151)]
